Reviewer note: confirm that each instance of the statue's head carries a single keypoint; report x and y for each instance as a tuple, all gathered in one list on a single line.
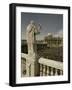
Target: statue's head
[(31, 22)]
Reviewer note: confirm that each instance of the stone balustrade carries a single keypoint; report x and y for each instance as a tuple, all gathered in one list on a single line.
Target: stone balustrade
[(50, 67), (47, 67)]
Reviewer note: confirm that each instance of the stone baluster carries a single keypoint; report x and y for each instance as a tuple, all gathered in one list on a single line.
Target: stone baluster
[(47, 70), (56, 72), (51, 71), (43, 70), (61, 72)]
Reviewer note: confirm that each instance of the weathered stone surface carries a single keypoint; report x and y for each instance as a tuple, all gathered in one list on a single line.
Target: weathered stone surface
[(32, 62)]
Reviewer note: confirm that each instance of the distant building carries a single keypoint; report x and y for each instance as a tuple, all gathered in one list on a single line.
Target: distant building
[(53, 41)]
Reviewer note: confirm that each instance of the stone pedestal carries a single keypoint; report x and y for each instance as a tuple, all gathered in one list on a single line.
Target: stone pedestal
[(32, 66)]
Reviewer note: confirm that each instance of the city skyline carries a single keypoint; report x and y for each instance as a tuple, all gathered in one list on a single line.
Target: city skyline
[(50, 23)]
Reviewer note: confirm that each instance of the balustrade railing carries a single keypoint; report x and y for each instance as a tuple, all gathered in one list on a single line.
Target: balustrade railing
[(50, 67), (47, 67)]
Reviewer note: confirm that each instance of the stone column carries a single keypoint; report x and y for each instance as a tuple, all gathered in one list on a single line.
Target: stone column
[(32, 66), (27, 68)]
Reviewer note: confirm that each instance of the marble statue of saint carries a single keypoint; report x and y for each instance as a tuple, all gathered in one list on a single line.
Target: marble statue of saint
[(32, 65), (32, 31)]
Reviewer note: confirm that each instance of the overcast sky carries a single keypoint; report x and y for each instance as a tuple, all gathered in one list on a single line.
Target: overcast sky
[(50, 23)]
